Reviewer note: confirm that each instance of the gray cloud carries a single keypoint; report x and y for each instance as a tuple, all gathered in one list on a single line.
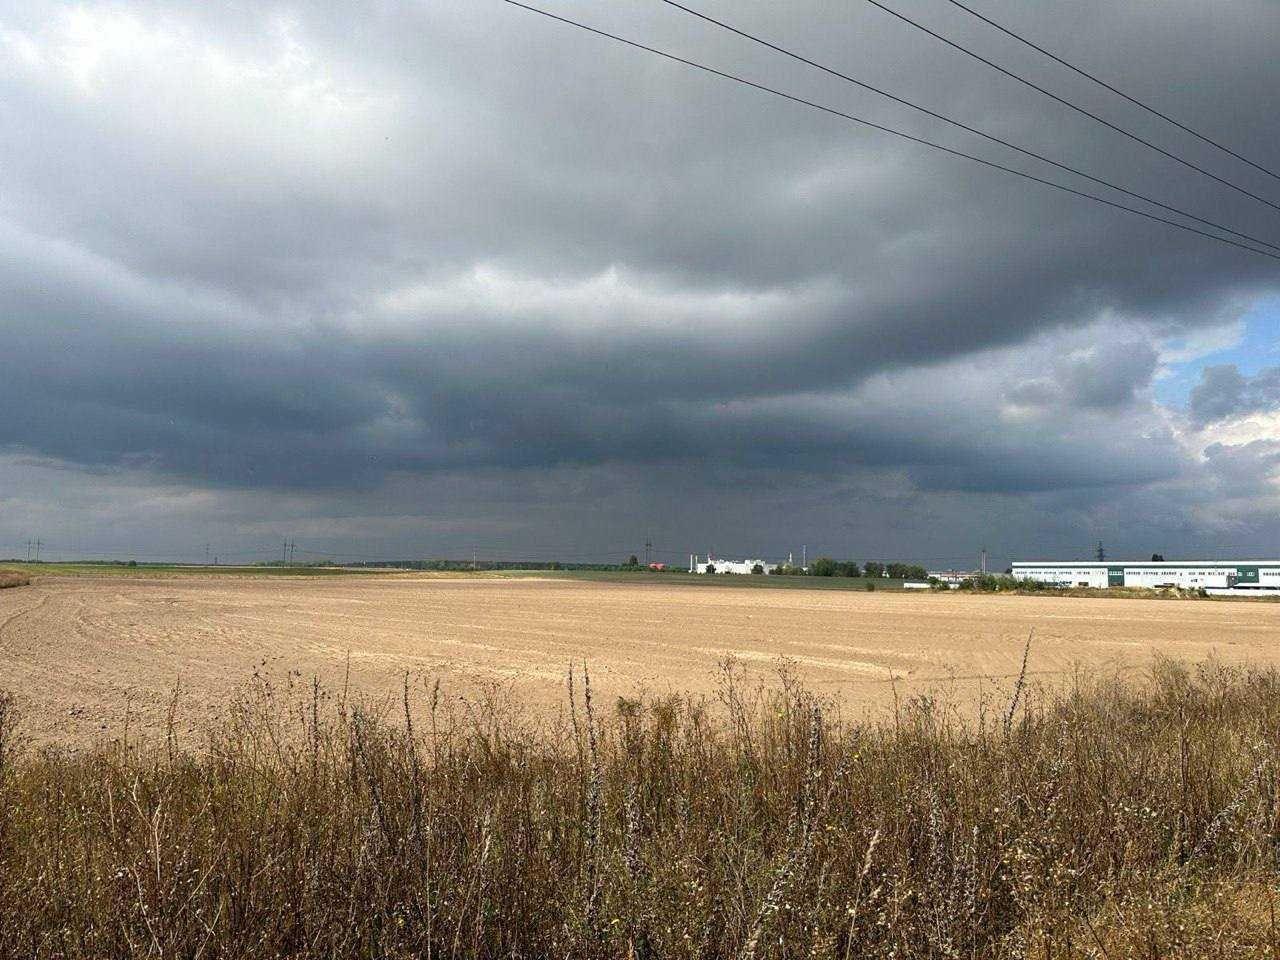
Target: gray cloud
[(1223, 391), (323, 252)]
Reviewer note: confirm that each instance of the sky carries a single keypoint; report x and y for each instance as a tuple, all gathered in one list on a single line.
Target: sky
[(418, 279)]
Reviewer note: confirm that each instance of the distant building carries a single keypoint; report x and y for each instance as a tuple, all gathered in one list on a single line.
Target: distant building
[(1236, 576), (714, 564), (954, 578)]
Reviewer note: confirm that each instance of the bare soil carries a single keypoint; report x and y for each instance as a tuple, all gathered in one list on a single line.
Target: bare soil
[(89, 658)]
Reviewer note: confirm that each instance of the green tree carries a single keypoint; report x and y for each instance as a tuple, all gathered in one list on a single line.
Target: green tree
[(758, 569), (873, 568), (822, 567)]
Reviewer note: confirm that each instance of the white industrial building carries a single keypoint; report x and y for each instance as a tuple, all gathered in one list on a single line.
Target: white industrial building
[(1217, 576), (720, 565)]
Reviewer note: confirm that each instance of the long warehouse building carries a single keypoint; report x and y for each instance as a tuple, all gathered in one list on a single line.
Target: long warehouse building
[(1237, 576)]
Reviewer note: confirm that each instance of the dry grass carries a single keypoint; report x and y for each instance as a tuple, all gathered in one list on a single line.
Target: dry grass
[(1104, 820), (11, 578)]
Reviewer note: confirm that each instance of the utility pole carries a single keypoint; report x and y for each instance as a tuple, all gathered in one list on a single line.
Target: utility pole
[(28, 551), (37, 549), (647, 548), (1101, 554), (983, 562), (206, 554), (284, 554)]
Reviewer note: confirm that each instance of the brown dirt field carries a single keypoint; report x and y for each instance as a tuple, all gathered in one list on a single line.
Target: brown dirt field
[(86, 656)]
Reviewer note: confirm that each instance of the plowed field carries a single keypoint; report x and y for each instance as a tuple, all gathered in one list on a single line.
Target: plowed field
[(86, 656)]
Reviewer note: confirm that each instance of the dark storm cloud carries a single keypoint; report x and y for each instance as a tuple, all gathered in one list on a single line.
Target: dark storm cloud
[(317, 247)]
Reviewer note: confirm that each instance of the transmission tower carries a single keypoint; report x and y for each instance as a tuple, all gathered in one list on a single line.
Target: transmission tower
[(1100, 553)]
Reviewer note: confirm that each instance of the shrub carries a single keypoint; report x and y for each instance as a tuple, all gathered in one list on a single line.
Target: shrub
[(11, 578), (991, 583)]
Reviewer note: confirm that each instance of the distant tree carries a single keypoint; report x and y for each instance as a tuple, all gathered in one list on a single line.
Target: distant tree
[(1157, 558), (633, 561), (848, 569), (822, 567), (711, 568), (758, 569), (873, 569)]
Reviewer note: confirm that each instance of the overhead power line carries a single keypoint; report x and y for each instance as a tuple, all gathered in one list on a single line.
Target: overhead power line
[(1106, 86), (960, 125), (832, 111), (1067, 103)]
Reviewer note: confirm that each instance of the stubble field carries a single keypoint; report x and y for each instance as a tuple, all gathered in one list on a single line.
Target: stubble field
[(89, 658)]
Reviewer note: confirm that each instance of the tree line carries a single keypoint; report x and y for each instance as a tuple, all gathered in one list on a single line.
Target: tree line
[(826, 567)]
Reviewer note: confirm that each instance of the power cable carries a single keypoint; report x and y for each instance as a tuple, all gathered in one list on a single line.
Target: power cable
[(884, 129), (1106, 86), (960, 125), (1067, 103)]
